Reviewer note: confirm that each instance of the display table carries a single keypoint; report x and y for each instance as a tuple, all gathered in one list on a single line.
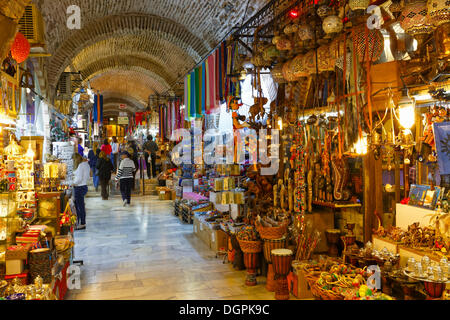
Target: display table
[(406, 215), (381, 243)]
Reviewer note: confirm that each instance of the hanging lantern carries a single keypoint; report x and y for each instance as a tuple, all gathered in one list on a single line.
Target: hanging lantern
[(20, 49), (332, 24), (324, 11), (305, 32), (298, 67), (439, 11), (414, 19), (358, 4)]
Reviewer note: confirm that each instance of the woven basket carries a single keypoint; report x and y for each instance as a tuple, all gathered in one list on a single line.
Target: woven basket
[(272, 233), (3, 286), (323, 294), (250, 246)]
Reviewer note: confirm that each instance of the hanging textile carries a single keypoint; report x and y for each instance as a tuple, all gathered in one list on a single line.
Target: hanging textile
[(192, 94), (203, 77), (139, 118), (174, 118), (216, 82), (220, 75), (160, 122), (100, 109), (211, 83), (186, 94), (197, 91), (207, 95), (95, 109)]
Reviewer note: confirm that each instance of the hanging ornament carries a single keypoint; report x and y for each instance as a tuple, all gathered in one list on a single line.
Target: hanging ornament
[(305, 32), (414, 19), (20, 49), (374, 40), (332, 24), (439, 11), (324, 11), (358, 4)]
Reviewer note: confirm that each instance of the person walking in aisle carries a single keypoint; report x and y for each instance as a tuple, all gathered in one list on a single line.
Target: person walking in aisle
[(106, 148), (115, 152), (125, 176), (80, 147), (105, 168), (80, 181), (150, 149), (133, 155), (93, 158)]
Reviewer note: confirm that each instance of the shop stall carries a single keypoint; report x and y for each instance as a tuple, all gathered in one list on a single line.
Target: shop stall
[(336, 171)]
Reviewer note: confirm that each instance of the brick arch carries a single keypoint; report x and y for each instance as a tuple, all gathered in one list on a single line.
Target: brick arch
[(127, 83), (166, 56), (123, 25), (109, 101), (128, 63)]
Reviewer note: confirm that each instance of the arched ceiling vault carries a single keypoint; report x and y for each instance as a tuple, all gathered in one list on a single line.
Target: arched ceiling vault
[(116, 26), (127, 63), (130, 49)]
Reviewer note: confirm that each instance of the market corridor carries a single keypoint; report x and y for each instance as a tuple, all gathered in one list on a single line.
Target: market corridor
[(145, 252)]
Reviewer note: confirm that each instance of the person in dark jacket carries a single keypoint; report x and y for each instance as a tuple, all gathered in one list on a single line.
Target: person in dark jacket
[(93, 157), (105, 168)]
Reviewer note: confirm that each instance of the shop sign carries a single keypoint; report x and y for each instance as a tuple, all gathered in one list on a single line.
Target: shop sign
[(122, 120)]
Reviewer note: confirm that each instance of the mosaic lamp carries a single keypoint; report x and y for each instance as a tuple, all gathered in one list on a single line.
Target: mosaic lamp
[(332, 24), (414, 19), (439, 11), (20, 48)]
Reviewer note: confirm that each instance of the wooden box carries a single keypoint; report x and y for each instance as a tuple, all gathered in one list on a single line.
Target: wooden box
[(14, 267), (218, 240), (303, 291)]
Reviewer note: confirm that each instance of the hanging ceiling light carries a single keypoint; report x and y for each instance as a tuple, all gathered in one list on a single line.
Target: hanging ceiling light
[(361, 146), (406, 112)]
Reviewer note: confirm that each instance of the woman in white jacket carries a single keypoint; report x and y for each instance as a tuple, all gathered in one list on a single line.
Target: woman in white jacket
[(80, 181)]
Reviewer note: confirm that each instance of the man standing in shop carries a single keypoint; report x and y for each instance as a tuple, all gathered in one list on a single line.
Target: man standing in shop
[(150, 148)]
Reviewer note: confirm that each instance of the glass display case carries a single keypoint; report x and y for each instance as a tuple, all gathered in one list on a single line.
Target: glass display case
[(9, 225)]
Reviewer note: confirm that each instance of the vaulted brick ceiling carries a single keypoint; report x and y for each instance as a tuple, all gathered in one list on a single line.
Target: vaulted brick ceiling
[(130, 49)]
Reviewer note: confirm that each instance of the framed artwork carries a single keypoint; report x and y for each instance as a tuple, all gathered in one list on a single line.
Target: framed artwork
[(429, 196)]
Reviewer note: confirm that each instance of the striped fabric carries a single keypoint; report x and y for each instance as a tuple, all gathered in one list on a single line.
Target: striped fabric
[(126, 169)]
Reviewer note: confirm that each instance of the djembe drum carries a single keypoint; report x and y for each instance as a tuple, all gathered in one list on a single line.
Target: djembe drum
[(333, 236), (251, 261), (281, 260), (270, 245)]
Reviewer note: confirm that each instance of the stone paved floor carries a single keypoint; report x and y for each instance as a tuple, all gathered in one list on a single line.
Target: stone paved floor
[(145, 252)]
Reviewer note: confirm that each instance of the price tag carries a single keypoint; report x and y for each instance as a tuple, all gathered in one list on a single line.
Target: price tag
[(201, 227), (213, 237), (195, 229), (162, 192)]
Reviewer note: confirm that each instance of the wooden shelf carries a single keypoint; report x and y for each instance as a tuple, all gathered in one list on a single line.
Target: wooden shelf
[(336, 204)]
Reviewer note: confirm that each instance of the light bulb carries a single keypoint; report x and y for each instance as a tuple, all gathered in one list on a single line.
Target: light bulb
[(406, 112), (28, 90), (30, 152), (280, 124), (360, 146)]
